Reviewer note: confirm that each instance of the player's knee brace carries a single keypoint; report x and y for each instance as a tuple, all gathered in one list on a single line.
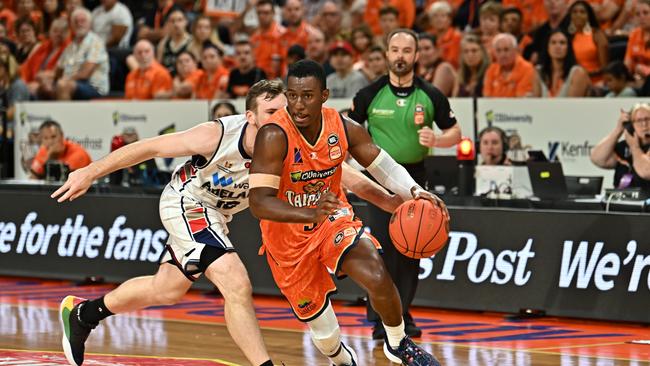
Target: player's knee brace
[(325, 332)]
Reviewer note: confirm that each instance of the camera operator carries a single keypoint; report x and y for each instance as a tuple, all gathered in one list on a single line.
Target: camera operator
[(629, 157)]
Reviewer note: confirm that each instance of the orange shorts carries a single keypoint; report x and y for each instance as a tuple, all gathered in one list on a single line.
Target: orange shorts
[(309, 294)]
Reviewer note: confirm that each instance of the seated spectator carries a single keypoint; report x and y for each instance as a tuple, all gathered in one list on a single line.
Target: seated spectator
[(629, 157), (637, 54), (377, 63), (52, 10), (55, 147), (11, 84), (556, 10), (606, 12), (295, 53), (406, 10), (297, 29), (39, 68), (474, 61), (534, 10), (447, 36), (83, 66), (559, 74), (489, 24), (187, 76), (28, 9), (388, 22), (177, 40), (493, 146), (510, 21), (317, 50), (157, 29), (214, 79), (26, 37), (617, 78), (223, 109), (266, 40), (589, 41), (202, 32), (113, 23), (511, 75), (246, 73), (7, 18), (345, 82), (432, 68), (330, 21), (362, 40), (150, 80)]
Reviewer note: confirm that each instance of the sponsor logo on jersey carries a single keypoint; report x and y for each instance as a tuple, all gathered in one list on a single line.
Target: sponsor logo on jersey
[(341, 212), (419, 114), (311, 196), (221, 181), (333, 139), (382, 112), (335, 152), (226, 193), (300, 176), (297, 157), (338, 238)]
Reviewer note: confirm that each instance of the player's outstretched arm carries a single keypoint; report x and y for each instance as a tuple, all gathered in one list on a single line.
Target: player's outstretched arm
[(199, 140), (266, 169), (367, 190)]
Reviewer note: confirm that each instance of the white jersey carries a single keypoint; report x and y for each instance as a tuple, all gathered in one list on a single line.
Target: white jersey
[(220, 183)]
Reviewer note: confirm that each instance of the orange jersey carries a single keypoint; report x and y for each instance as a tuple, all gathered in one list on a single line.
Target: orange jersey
[(144, 84), (307, 173), (637, 53)]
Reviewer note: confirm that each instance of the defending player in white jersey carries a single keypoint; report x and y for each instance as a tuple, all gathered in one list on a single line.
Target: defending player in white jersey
[(195, 207)]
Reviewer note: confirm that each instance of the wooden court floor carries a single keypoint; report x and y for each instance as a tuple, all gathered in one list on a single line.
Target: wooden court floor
[(193, 333)]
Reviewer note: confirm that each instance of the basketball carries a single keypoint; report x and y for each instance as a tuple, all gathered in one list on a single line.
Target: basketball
[(418, 229)]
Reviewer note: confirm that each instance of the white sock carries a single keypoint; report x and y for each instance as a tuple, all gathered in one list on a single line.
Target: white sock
[(395, 334), (343, 357)]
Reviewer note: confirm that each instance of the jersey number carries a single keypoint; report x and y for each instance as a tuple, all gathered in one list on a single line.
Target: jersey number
[(227, 205)]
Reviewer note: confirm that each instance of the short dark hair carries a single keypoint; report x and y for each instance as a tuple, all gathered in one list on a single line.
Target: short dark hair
[(389, 10), (307, 68), (207, 44), (618, 70), (428, 36), (405, 31), (228, 105), (265, 2), (378, 48), (511, 10), (296, 51), (272, 88), (50, 123)]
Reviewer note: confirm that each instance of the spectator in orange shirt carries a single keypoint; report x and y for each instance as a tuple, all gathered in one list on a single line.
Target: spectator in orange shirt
[(7, 17), (246, 73), (489, 24), (387, 23), (511, 76), (297, 29), (187, 76), (27, 38), (637, 55), (534, 13), (39, 68), (405, 8), (447, 36), (214, 78), (266, 40), (606, 11), (511, 22), (590, 44), (28, 9), (54, 146), (317, 50), (330, 21), (150, 80)]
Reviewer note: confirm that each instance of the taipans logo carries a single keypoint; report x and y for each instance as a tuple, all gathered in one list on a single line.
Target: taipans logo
[(492, 117), (312, 188), (221, 181), (123, 117), (300, 176)]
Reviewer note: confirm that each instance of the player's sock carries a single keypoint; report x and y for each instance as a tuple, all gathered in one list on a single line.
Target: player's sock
[(95, 310), (395, 334), (342, 356), (267, 363)]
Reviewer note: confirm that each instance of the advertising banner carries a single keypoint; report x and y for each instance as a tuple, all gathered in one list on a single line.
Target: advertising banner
[(577, 264)]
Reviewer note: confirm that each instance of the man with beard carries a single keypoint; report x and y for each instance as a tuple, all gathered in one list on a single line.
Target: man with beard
[(400, 109)]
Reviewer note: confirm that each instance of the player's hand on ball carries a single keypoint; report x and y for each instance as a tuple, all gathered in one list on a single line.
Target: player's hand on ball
[(327, 205), (76, 185), (419, 193)]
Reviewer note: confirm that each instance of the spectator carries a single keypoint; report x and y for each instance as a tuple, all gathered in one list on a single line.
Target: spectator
[(637, 55), (535, 12), (158, 30), (150, 80), (361, 38), (447, 36), (266, 40), (72, 5), (113, 23), (27, 38), (377, 64), (606, 12), (388, 22), (7, 18), (352, 11), (28, 9), (474, 62), (83, 66), (629, 157), (317, 50), (52, 10), (489, 24), (406, 10), (11, 84), (223, 109), (616, 79), (55, 147), (493, 146), (510, 21), (330, 21), (559, 73), (295, 54), (556, 10), (589, 41), (345, 82), (214, 79), (39, 68), (202, 32), (297, 29), (177, 41), (432, 68), (511, 76), (246, 74), (187, 76)]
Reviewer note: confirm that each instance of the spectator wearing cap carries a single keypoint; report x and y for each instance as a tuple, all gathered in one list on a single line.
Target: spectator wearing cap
[(150, 80), (317, 50), (214, 79), (510, 76), (113, 22), (246, 73), (297, 29), (82, 71), (345, 82), (266, 40)]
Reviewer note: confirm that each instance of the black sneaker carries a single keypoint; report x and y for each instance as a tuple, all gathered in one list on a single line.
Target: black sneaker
[(412, 330), (409, 354), (378, 331), (75, 331), (352, 354)]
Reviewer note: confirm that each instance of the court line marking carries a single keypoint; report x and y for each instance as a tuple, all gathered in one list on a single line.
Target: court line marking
[(578, 346), (215, 360)]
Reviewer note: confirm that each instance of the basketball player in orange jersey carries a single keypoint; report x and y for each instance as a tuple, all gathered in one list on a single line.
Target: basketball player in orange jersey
[(308, 227)]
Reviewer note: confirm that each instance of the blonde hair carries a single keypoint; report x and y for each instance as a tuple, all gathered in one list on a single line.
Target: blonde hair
[(465, 73), (639, 106), (440, 6)]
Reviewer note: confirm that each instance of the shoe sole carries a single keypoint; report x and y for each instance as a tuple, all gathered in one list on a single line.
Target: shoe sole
[(67, 350), (391, 356)]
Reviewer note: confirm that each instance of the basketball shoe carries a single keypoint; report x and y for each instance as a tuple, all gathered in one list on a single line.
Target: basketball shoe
[(409, 354), (353, 355), (75, 331)]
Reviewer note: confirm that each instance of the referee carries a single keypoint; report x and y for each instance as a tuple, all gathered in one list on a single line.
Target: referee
[(400, 109)]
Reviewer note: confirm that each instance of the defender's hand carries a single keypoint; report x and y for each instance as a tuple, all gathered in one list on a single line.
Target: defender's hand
[(76, 185)]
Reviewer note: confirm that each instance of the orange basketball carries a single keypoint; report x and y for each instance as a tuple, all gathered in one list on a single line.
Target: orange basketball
[(418, 229)]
